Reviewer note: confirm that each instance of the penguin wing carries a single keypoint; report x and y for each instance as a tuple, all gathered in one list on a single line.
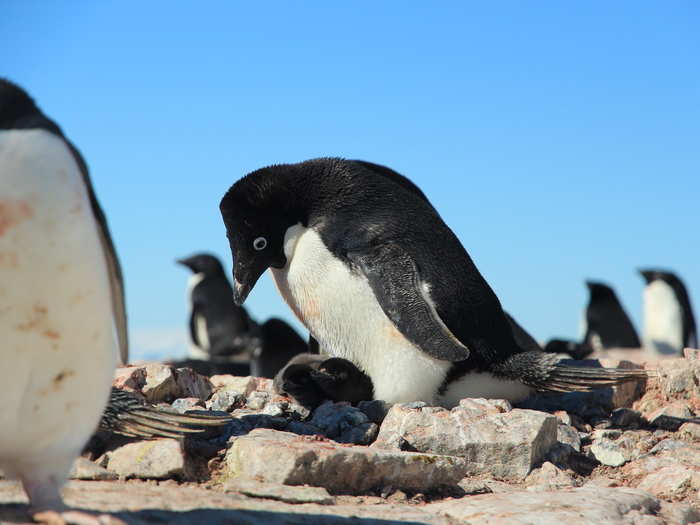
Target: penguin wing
[(116, 279), (193, 326), (395, 281)]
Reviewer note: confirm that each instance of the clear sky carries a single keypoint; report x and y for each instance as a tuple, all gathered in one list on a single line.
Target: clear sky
[(559, 140)]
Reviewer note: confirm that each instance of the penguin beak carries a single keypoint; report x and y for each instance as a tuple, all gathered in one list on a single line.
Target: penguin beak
[(240, 291)]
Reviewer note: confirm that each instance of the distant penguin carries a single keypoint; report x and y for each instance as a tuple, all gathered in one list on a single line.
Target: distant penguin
[(219, 329), (63, 320), (669, 323), (369, 267), (607, 323), (280, 343)]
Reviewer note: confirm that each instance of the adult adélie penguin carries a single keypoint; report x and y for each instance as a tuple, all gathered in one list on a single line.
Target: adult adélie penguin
[(369, 267), (62, 320)]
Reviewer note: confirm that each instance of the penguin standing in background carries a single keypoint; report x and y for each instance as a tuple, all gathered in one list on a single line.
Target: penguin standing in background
[(219, 329), (369, 267), (607, 325), (63, 319), (669, 323)]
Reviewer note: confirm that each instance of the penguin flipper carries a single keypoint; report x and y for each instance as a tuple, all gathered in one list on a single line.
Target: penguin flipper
[(395, 281), (193, 328)]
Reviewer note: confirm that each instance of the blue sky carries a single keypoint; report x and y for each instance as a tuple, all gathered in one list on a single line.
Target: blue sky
[(559, 140)]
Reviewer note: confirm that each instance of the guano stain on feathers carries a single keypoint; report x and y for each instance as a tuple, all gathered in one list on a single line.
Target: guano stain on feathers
[(12, 212)]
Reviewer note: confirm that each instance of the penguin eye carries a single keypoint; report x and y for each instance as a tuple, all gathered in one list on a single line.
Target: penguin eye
[(259, 243)]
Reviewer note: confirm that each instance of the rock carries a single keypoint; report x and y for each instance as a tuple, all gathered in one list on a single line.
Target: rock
[(83, 468), (160, 385), (626, 418), (679, 377), (244, 385), (191, 384), (670, 417), (226, 400), (344, 423), (690, 431), (670, 482), (691, 353), (584, 506), (286, 493), (679, 513), (282, 457), (608, 453), (496, 440), (548, 477), (257, 400), (625, 394), (154, 459), (569, 436), (183, 404), (375, 410), (130, 378)]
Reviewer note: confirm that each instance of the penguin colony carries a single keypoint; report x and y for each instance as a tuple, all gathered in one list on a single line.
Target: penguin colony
[(395, 308)]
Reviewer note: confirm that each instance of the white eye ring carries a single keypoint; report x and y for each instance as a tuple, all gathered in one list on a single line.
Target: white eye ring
[(260, 243)]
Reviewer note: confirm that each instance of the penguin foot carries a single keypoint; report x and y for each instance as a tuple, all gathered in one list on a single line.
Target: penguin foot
[(75, 517)]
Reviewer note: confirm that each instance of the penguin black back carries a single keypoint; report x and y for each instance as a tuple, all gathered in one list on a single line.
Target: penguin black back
[(608, 325), (217, 325)]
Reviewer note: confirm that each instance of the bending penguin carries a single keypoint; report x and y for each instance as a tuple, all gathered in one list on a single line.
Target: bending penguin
[(669, 323), (369, 267), (63, 316)]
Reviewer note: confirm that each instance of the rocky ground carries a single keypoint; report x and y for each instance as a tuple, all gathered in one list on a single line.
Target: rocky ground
[(622, 456)]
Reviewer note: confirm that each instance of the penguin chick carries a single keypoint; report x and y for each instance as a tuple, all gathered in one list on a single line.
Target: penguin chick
[(368, 266), (669, 322), (63, 320), (127, 415), (219, 329), (312, 379)]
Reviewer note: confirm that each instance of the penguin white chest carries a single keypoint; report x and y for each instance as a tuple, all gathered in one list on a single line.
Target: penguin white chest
[(663, 319), (340, 310), (59, 348)]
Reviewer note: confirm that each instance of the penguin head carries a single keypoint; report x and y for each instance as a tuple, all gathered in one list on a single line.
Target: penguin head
[(15, 103), (202, 263), (257, 211), (653, 274), (599, 290)]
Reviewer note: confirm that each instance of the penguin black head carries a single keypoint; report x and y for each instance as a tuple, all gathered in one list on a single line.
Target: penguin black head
[(599, 290), (15, 103), (202, 263), (653, 274), (257, 211)]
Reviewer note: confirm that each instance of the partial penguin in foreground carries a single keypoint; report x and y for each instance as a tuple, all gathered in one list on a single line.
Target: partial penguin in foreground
[(606, 325), (669, 323), (369, 267), (63, 317)]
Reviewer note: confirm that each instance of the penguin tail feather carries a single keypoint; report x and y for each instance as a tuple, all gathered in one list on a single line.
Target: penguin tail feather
[(127, 416), (546, 373)]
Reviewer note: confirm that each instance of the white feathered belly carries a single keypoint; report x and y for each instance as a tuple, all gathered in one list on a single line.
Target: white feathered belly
[(663, 319), (341, 311), (58, 347)]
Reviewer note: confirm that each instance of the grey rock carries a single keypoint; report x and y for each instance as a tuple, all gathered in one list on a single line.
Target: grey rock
[(191, 384), (160, 385), (286, 493), (608, 453), (154, 459), (671, 482), (226, 400), (85, 469), (569, 436), (257, 400), (183, 404), (626, 418), (494, 439), (344, 423), (375, 410), (582, 506), (282, 457), (548, 477)]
